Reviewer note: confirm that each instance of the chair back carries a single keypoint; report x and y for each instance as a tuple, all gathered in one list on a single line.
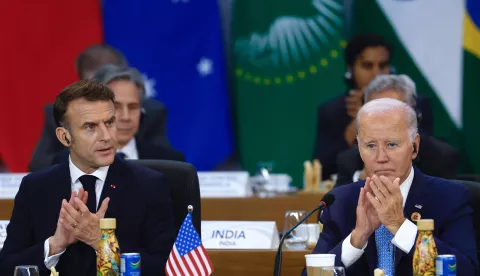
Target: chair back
[(184, 188), (474, 188)]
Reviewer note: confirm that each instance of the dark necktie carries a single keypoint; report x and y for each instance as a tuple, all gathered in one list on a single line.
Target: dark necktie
[(121, 155), (88, 182)]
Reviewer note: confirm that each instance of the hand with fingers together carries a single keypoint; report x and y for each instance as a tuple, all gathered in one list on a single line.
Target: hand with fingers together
[(62, 237), (367, 219), (354, 102), (386, 198), (83, 224)]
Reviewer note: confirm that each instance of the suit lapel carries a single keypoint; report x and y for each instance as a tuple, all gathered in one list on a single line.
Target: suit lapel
[(371, 253), (63, 187), (414, 204), (112, 187)]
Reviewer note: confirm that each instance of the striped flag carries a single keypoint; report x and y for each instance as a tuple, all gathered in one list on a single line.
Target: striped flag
[(188, 256)]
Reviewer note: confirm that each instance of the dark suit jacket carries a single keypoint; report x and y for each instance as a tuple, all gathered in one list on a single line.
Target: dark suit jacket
[(152, 129), (140, 202), (435, 158), (145, 151), (444, 201), (332, 120)]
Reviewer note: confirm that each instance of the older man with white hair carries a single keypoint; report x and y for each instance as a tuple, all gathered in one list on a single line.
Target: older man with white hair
[(436, 158), (382, 210)]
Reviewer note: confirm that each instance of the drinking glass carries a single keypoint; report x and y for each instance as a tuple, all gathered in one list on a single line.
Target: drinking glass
[(299, 237), (26, 270)]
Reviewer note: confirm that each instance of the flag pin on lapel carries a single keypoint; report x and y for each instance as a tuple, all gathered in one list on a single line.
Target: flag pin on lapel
[(113, 186), (416, 216)]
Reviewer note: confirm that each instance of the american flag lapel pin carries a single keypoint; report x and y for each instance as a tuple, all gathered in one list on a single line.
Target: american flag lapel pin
[(112, 186)]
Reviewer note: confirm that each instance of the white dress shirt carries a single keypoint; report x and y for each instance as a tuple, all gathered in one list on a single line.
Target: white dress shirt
[(130, 150), (404, 239), (75, 174)]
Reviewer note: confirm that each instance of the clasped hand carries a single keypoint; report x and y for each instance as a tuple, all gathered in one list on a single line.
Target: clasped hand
[(380, 202), (77, 223)]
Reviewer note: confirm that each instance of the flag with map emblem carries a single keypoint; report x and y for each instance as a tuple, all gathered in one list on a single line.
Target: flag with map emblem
[(288, 58)]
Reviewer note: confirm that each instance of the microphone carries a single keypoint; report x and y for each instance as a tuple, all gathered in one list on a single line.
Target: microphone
[(327, 200)]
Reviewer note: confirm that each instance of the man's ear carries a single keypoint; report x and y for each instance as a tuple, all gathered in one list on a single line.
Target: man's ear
[(63, 135), (416, 146)]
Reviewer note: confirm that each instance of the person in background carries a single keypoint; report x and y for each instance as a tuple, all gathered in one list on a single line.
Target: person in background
[(3, 167), (436, 158), (371, 225), (366, 56), (55, 218), (128, 86), (152, 128)]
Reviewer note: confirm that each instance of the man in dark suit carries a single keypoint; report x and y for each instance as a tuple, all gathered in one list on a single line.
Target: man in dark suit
[(366, 56), (154, 114), (380, 210), (128, 86), (436, 158), (55, 220)]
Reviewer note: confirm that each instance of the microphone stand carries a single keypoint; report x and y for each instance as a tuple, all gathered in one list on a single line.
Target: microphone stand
[(278, 257)]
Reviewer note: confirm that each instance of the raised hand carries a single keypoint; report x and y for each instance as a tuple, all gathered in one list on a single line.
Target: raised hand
[(84, 225), (367, 218), (62, 237), (387, 200)]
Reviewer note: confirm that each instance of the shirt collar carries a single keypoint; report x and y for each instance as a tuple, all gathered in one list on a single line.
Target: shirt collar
[(130, 149), (76, 173), (405, 186)]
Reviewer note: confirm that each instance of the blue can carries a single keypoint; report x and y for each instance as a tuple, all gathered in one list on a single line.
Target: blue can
[(446, 265), (130, 264)]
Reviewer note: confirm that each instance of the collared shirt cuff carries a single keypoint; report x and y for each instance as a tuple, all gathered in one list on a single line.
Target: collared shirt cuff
[(350, 254), (406, 235), (52, 260)]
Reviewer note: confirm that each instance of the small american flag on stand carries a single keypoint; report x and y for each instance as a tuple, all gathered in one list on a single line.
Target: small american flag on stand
[(188, 256)]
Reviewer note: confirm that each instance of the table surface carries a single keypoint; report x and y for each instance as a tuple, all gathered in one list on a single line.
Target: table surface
[(255, 262), (259, 209), (244, 262), (237, 209)]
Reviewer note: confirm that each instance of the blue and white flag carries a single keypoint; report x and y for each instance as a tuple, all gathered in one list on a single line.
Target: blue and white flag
[(177, 45)]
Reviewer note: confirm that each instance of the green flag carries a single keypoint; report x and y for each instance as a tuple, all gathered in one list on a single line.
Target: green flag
[(288, 58)]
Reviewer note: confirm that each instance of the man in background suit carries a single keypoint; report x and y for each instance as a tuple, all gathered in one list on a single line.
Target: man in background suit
[(55, 220), (128, 86), (366, 56), (379, 209), (154, 114), (436, 158)]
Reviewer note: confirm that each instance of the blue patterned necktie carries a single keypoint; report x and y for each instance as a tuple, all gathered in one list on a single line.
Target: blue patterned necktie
[(383, 239)]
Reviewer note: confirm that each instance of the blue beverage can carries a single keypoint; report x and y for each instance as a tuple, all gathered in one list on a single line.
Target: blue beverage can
[(446, 265), (130, 264)]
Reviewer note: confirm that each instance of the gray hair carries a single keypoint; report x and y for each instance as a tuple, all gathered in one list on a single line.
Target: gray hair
[(385, 105), (110, 72), (399, 83)]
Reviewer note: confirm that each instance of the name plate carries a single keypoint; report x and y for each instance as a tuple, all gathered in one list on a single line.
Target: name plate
[(9, 184), (224, 184), (3, 231), (240, 235)]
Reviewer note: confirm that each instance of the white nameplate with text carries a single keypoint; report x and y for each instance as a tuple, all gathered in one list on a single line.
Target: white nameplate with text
[(3, 231), (9, 184), (223, 184), (239, 234)]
